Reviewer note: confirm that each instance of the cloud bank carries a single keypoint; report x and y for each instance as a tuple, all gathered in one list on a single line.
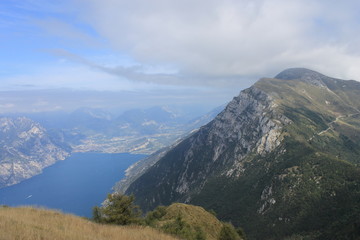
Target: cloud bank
[(216, 42)]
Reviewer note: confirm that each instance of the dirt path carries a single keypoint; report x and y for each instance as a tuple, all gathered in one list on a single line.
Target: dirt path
[(332, 122)]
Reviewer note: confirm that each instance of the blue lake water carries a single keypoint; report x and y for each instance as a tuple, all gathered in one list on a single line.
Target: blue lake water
[(74, 185)]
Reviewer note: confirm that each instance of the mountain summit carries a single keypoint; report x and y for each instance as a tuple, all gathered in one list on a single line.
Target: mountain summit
[(282, 160), (305, 75)]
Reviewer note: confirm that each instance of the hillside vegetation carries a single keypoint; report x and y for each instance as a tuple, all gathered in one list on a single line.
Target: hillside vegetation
[(33, 224)]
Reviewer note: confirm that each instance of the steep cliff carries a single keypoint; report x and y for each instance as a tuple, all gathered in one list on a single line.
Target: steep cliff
[(281, 160), (25, 149)]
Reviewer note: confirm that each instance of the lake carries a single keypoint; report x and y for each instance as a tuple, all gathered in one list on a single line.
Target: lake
[(74, 185)]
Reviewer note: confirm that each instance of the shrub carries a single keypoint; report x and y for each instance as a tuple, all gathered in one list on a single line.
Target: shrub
[(228, 232), (117, 209), (155, 215), (241, 233)]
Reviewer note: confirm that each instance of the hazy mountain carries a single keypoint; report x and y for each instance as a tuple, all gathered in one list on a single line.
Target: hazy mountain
[(26, 148), (282, 161), (89, 119)]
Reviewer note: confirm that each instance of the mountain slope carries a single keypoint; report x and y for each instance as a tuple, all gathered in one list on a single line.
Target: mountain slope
[(31, 224), (25, 149), (282, 160)]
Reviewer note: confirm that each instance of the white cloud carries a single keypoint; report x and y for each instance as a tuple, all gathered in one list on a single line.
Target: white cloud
[(210, 40), (66, 31), (7, 105)]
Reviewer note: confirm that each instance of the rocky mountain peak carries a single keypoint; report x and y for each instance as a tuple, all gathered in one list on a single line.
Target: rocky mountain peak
[(303, 74)]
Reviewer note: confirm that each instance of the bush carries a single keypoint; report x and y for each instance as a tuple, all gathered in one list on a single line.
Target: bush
[(228, 232), (155, 215), (212, 212), (96, 214), (117, 209), (241, 233), (179, 228)]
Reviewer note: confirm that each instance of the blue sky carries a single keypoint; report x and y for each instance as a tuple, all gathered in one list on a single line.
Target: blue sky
[(209, 48), (34, 37)]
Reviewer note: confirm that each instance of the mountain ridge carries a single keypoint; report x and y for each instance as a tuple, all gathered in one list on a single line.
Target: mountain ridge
[(276, 146)]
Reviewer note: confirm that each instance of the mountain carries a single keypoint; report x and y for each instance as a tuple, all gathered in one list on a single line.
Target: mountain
[(31, 224), (26, 148), (282, 161), (89, 119)]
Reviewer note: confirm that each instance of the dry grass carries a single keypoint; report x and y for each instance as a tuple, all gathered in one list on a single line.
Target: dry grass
[(28, 223)]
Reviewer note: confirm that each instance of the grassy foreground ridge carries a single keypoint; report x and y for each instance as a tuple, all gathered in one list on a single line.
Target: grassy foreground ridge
[(33, 224)]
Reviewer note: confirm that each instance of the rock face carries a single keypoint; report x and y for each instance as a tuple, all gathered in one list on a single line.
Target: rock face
[(280, 155), (25, 149)]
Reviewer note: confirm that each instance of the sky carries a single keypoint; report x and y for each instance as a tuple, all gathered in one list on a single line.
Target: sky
[(156, 52)]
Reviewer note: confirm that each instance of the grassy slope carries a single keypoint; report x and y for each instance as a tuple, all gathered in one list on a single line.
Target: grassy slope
[(326, 120), (31, 223)]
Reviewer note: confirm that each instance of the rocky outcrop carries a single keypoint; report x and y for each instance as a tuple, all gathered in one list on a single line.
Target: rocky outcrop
[(25, 149)]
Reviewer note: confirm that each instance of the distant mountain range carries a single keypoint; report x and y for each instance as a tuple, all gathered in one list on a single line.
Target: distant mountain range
[(281, 161)]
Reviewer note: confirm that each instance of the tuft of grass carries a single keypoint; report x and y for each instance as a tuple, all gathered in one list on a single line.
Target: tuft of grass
[(34, 224)]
